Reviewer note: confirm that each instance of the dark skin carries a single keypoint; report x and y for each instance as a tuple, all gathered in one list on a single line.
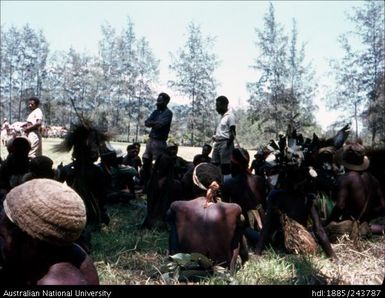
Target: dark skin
[(221, 108), (215, 231), (29, 127), (161, 105), (297, 206), (246, 190), (28, 261), (353, 190)]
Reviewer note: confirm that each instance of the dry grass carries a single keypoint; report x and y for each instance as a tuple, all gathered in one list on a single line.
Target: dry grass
[(360, 263)]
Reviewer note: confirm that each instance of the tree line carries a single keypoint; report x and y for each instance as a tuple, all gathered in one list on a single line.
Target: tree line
[(117, 88)]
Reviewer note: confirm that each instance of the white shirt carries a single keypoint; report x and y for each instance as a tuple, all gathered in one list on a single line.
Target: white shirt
[(223, 128), (35, 115)]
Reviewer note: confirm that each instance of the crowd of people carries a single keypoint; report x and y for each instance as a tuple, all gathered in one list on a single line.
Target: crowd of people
[(223, 206)]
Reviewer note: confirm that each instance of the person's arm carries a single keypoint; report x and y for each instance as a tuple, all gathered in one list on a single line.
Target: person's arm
[(232, 135), (379, 209), (163, 120), (341, 197), (63, 274), (150, 120), (31, 127), (267, 226), (173, 242), (231, 123), (321, 234)]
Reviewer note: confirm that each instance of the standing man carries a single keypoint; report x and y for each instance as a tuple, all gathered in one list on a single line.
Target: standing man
[(224, 137), (32, 128), (160, 123)]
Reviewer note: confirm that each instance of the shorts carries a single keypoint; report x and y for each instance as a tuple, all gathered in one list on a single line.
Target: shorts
[(154, 148), (222, 153)]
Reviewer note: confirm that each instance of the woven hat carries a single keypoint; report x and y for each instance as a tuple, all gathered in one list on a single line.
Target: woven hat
[(353, 157), (47, 210)]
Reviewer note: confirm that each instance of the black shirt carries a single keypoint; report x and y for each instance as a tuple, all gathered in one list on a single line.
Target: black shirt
[(163, 124)]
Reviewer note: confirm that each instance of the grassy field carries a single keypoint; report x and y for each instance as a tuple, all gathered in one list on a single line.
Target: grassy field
[(126, 255)]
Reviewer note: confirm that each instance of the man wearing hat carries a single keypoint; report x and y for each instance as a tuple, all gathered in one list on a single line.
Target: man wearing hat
[(39, 224), (358, 193)]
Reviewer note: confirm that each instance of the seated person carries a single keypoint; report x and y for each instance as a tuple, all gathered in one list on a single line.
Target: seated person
[(246, 190), (40, 167), (180, 165), (132, 157), (205, 225), (39, 224), (204, 156), (118, 178), (15, 166), (292, 200), (190, 190), (257, 165), (358, 194), (163, 189)]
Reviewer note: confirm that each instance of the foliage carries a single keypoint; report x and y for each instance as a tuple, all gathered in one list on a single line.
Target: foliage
[(115, 88), (285, 87), (23, 68), (360, 75), (194, 68)]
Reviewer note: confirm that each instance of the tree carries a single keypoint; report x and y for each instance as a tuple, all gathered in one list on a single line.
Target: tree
[(194, 68), (347, 93), (10, 41), (360, 73), (301, 85), (148, 72), (129, 69), (369, 21), (284, 89), (23, 63), (268, 90)]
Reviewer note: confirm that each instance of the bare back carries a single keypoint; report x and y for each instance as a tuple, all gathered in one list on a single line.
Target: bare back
[(210, 231)]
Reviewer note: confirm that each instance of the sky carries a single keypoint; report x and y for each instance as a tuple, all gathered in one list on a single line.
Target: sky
[(77, 24)]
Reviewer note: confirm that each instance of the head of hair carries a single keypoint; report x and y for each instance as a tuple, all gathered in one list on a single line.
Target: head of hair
[(41, 166), (130, 147), (19, 146), (241, 158), (35, 100), (207, 173), (222, 99), (208, 146), (165, 96)]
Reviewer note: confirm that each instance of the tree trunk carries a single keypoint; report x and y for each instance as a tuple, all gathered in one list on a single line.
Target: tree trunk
[(355, 119)]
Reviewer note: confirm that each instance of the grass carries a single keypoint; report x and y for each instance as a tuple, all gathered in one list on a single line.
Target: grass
[(124, 254)]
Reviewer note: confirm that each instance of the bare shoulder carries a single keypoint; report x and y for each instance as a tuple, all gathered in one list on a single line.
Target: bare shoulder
[(230, 207), (179, 205), (63, 273), (349, 178)]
